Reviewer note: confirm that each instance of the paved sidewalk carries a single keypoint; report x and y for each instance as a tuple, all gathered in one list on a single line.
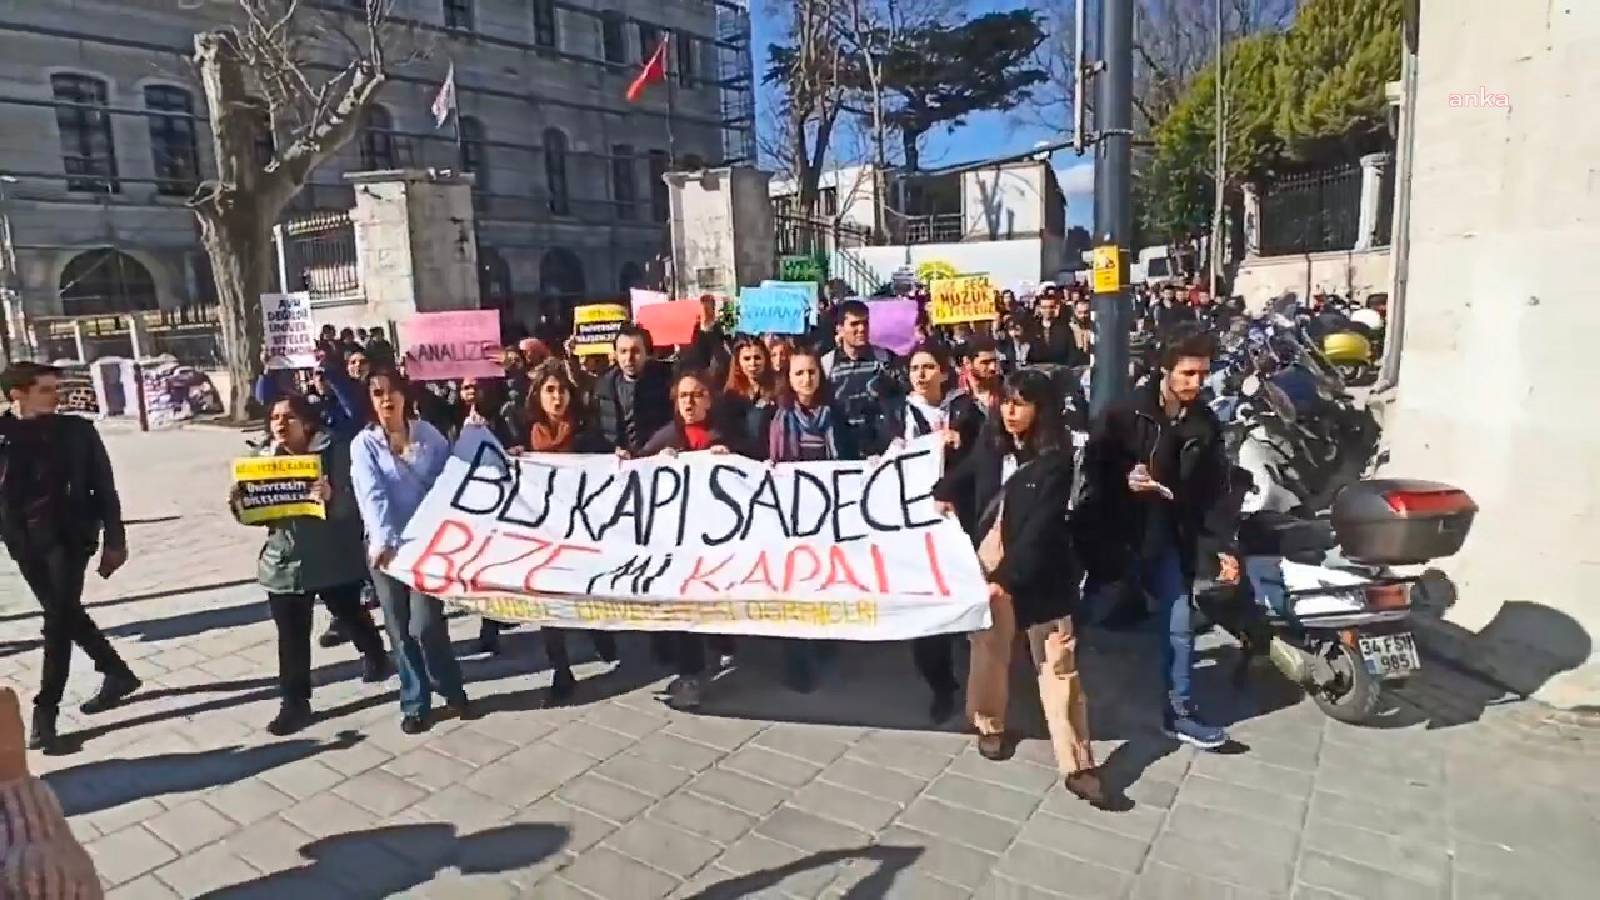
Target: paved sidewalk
[(845, 793)]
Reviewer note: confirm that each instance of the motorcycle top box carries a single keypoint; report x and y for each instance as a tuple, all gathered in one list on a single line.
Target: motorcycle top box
[(1401, 522)]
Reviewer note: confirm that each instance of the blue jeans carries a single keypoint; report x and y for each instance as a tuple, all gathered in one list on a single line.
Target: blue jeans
[(1162, 576), (420, 641)]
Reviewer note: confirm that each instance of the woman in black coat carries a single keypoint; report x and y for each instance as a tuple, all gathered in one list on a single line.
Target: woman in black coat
[(1019, 477)]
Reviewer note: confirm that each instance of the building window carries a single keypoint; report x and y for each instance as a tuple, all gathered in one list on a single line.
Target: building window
[(688, 66), (172, 140), (544, 23), (561, 275), (106, 282), (87, 150), (474, 157), (458, 14), (623, 189), (555, 172), (377, 139), (649, 40), (660, 197), (612, 42)]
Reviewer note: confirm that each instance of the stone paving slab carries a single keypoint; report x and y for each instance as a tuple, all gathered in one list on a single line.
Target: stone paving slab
[(848, 792)]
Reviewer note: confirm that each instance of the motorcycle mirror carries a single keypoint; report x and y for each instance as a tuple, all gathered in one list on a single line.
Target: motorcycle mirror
[(1250, 386)]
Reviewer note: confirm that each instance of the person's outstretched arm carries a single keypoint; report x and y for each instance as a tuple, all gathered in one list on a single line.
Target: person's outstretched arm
[(39, 856)]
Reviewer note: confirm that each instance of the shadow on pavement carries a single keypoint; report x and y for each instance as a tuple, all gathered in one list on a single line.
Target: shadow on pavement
[(382, 862), (891, 862), (109, 783), (140, 598), (193, 623)]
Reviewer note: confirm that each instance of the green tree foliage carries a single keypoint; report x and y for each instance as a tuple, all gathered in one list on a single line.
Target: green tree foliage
[(1330, 78), (938, 74)]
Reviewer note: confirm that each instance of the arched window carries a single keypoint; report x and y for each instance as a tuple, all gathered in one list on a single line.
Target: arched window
[(555, 172), (173, 147), (474, 152), (632, 276), (494, 279), (87, 151), (377, 139), (106, 281), (561, 275)]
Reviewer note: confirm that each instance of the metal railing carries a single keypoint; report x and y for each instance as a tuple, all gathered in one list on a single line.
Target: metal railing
[(1312, 213), (319, 256)]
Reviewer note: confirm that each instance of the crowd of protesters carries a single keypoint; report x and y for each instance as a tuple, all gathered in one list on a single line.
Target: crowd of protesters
[(1148, 473)]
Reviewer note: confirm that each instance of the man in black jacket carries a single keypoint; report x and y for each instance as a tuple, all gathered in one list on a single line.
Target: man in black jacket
[(57, 496), (1153, 471), (1054, 341), (632, 398)]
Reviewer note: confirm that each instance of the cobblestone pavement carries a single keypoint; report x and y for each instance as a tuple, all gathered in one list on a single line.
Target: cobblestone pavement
[(844, 793)]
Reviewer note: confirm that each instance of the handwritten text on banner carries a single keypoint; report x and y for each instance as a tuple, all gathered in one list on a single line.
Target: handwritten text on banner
[(699, 542), (968, 298)]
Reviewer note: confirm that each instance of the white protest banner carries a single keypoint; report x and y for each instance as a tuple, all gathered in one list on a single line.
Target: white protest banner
[(291, 337), (697, 542)]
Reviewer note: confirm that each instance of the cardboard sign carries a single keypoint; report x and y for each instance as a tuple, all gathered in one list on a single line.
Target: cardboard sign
[(697, 542), (670, 324), (892, 324), (289, 333), (772, 310), (443, 346), (277, 487), (969, 298), (641, 298), (594, 328)]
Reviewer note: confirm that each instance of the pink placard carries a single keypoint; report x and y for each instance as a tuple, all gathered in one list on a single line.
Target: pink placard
[(892, 324), (442, 346), (670, 324)]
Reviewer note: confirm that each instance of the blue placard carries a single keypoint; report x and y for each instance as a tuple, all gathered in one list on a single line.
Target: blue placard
[(772, 311)]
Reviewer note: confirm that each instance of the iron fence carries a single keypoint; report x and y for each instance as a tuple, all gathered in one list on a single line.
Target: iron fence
[(319, 256), (1313, 213)]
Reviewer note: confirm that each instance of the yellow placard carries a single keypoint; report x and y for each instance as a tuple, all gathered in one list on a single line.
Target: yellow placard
[(1107, 269), (595, 327), (969, 298), (277, 487)]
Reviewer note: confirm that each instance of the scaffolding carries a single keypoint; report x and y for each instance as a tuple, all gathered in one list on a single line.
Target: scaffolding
[(735, 79)]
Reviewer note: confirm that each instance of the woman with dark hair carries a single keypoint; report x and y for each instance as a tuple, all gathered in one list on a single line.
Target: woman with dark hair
[(306, 558), (1020, 476), (691, 428), (934, 405), (393, 463), (778, 350), (750, 391), (559, 422)]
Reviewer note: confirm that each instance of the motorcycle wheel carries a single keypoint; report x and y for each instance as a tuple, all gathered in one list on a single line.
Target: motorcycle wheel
[(1341, 685)]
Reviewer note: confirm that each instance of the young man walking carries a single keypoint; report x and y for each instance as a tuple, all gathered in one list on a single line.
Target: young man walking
[(57, 501)]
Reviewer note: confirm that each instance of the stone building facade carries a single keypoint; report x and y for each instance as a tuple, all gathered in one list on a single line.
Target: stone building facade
[(103, 134)]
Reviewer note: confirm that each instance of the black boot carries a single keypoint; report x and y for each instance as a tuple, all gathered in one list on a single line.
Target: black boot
[(293, 715), (113, 691), (375, 668), (43, 736), (334, 636)]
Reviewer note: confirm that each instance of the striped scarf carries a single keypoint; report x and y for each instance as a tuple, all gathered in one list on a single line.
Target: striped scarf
[(790, 422)]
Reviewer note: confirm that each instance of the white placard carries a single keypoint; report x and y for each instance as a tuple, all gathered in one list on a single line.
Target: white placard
[(290, 333)]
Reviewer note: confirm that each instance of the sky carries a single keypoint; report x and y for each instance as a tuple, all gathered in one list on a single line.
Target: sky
[(986, 135)]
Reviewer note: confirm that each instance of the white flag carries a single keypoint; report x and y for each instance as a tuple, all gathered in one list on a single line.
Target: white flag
[(445, 103)]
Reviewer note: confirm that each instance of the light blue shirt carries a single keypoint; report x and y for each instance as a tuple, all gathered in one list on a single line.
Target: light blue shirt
[(389, 488)]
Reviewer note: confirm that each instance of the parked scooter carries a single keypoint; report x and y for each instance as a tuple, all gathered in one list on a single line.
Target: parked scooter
[(1321, 599), (1351, 354)]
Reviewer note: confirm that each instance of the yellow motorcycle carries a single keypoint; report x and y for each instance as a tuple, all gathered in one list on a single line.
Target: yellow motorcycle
[(1351, 354)]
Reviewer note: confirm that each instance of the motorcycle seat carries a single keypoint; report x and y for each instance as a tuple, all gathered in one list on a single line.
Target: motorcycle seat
[(1269, 533)]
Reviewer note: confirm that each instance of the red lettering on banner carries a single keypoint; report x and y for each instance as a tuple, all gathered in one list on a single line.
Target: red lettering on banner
[(939, 583), (761, 567), (475, 584), (549, 564), (789, 566), (881, 569), (434, 549), (477, 554), (839, 571), (703, 576)]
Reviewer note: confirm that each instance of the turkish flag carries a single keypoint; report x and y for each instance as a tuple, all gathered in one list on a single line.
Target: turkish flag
[(654, 72)]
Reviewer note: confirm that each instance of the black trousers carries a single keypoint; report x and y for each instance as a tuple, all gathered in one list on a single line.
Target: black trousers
[(934, 656), (56, 576), (555, 645), (292, 613)]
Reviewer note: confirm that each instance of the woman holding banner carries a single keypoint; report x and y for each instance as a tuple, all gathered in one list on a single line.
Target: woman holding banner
[(394, 461), (478, 400), (936, 405), (1020, 476), (750, 391), (692, 428), (807, 426), (306, 557), (559, 422)]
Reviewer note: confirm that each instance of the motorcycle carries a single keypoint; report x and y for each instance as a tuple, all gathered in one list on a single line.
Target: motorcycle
[(1351, 354)]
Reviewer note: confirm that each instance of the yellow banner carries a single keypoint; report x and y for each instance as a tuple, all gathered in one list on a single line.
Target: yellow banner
[(277, 487), (595, 327), (969, 298)]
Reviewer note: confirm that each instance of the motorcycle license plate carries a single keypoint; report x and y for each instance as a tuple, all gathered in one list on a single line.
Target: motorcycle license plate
[(1390, 655)]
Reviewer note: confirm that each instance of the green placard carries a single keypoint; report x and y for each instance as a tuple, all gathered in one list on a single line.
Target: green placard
[(802, 268)]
